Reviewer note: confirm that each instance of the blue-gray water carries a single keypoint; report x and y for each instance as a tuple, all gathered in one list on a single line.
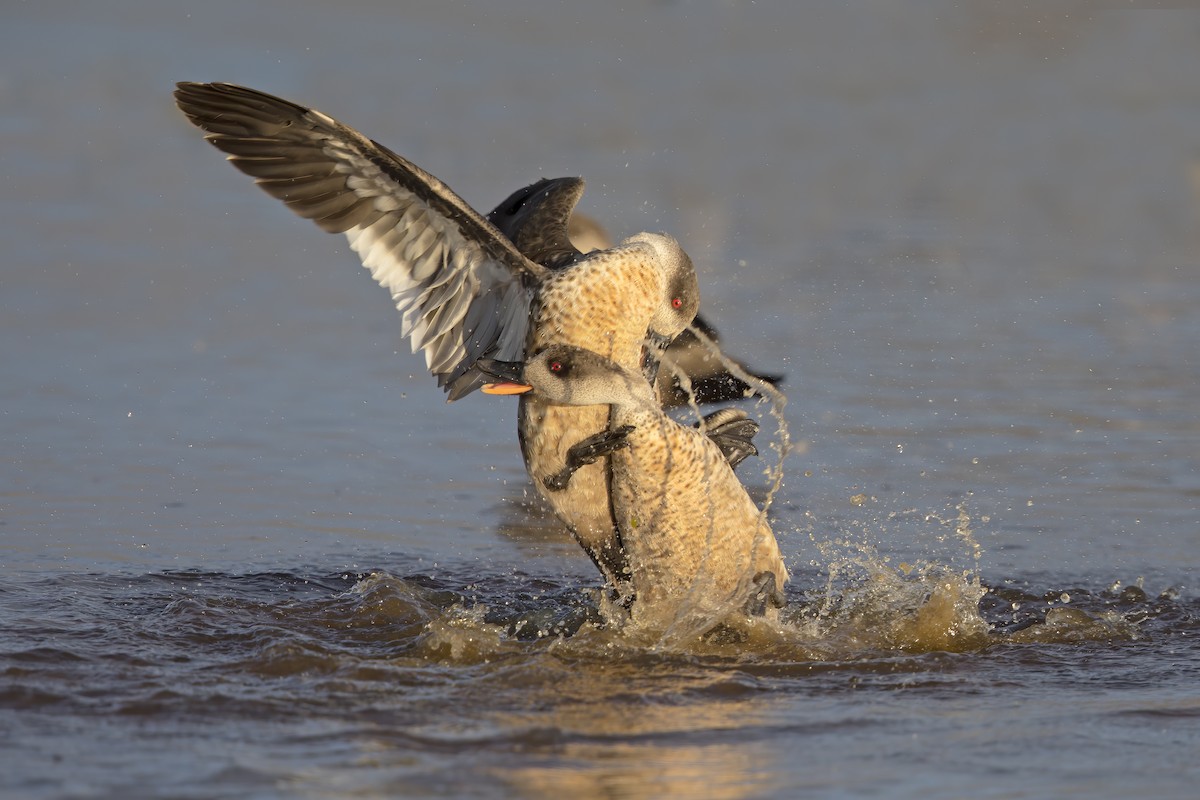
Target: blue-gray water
[(246, 550)]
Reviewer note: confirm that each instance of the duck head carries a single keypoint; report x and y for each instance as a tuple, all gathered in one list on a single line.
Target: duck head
[(569, 375), (679, 302)]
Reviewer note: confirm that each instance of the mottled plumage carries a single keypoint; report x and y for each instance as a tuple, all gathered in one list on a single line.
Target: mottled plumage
[(608, 318), (699, 549), (540, 222)]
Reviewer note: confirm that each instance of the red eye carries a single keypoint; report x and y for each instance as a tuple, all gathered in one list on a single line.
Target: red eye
[(556, 366), (677, 302)]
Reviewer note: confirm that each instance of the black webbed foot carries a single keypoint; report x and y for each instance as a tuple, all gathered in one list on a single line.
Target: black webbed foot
[(766, 594), (587, 452), (732, 431)]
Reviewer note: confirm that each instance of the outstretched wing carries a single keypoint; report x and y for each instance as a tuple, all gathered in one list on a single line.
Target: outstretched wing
[(463, 290), (535, 220)]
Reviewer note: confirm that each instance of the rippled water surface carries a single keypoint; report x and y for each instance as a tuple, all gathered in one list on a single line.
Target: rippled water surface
[(246, 550)]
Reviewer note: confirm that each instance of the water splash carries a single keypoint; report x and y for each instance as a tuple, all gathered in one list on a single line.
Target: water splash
[(869, 603), (699, 610), (764, 390)]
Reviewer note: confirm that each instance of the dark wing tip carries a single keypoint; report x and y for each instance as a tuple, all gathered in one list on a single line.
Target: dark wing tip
[(464, 384), (714, 388), (548, 187), (228, 112), (535, 219)]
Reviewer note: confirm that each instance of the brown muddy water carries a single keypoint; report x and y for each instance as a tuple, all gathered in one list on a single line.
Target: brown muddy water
[(247, 551)]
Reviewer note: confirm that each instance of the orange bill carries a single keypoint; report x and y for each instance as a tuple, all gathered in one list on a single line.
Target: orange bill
[(505, 387)]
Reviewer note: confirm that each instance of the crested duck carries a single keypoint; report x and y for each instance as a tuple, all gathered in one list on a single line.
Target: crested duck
[(698, 547)]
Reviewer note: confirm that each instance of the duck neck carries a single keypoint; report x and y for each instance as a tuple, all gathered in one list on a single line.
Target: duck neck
[(637, 407)]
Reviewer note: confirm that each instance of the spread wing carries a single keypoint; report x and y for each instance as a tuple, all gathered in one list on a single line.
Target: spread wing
[(463, 290), (535, 220)]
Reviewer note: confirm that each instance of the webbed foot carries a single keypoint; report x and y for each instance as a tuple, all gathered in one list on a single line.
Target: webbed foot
[(732, 430), (587, 452)]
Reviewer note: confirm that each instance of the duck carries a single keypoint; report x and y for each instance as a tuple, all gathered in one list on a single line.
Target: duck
[(572, 474), (465, 291), (696, 371), (699, 549)]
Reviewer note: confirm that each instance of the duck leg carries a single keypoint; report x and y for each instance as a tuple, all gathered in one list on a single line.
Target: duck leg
[(587, 452), (729, 428)]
